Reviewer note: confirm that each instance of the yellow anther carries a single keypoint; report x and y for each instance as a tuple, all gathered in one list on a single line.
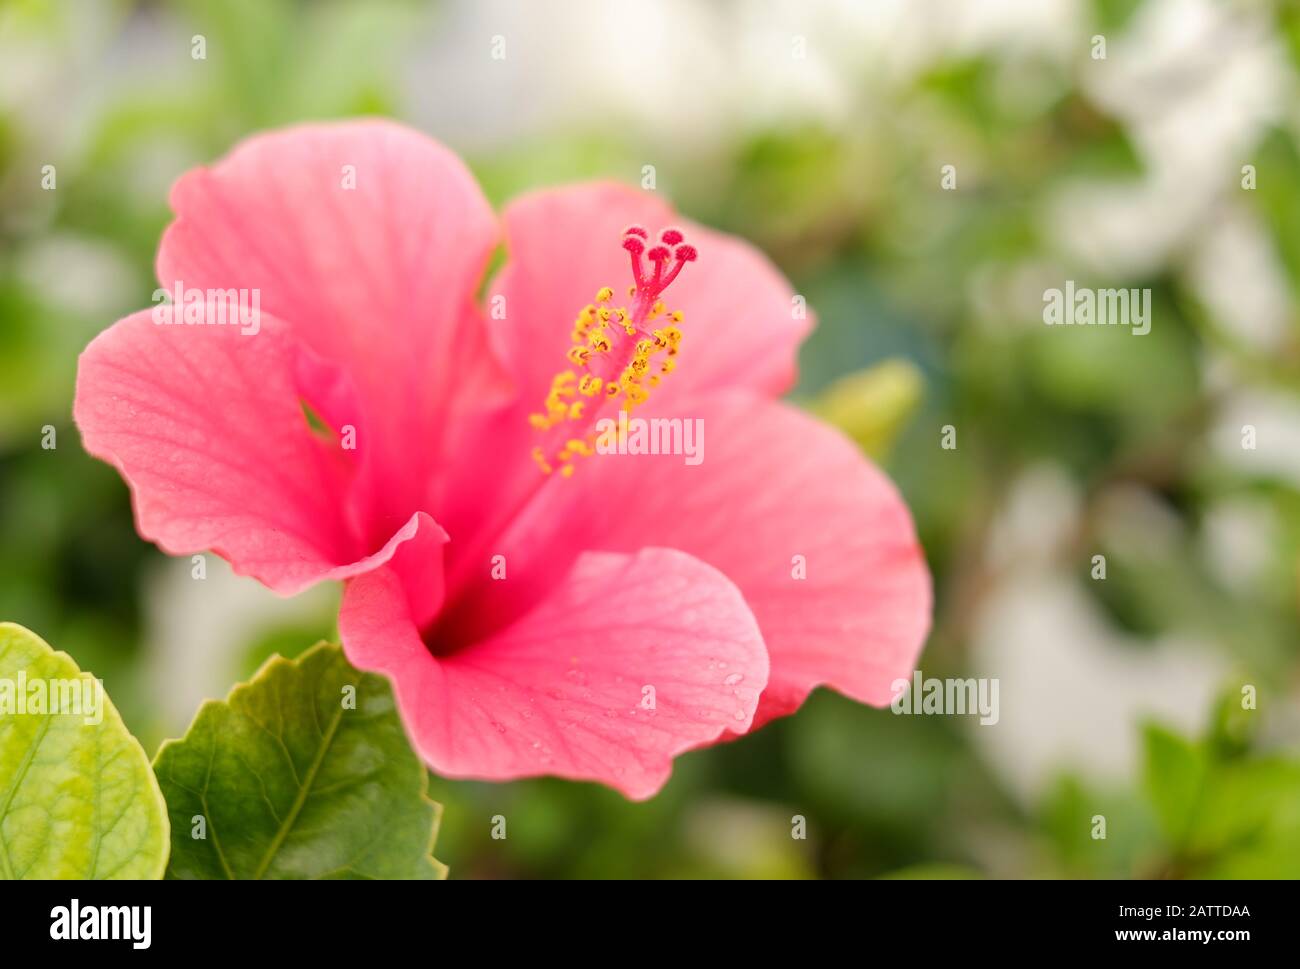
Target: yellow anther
[(570, 391)]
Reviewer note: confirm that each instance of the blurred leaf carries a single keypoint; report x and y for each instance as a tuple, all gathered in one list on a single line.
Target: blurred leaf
[(1114, 14), (886, 790), (1249, 825), (1276, 197), (1068, 817), (1141, 381), (1089, 144), (738, 839), (1227, 814), (1174, 774), (872, 405)]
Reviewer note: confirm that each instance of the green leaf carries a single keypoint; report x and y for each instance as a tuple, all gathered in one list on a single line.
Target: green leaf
[(1250, 824), (77, 797), (304, 772), (873, 405), (1067, 816), (1114, 14), (1175, 777)]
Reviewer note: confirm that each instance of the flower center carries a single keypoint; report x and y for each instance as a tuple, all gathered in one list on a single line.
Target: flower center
[(614, 352)]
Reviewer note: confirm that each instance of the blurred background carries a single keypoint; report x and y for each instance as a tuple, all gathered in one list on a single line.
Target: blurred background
[(819, 130)]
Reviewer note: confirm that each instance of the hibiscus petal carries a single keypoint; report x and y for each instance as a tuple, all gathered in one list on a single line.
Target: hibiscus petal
[(562, 691), (564, 244), (776, 488), (369, 239), (206, 426)]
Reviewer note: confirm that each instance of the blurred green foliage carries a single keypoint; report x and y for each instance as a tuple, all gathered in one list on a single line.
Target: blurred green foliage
[(903, 276)]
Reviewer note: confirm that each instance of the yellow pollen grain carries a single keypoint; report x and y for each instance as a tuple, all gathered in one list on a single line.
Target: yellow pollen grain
[(590, 336)]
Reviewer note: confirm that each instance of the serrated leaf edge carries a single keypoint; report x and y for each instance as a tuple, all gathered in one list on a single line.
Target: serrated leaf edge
[(273, 662), (154, 787)]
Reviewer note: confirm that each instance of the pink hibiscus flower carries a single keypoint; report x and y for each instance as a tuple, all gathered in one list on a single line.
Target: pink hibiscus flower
[(538, 610)]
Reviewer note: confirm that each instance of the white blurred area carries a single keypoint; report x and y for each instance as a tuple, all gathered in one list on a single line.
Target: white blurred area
[(198, 628), (1073, 688), (687, 74)]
